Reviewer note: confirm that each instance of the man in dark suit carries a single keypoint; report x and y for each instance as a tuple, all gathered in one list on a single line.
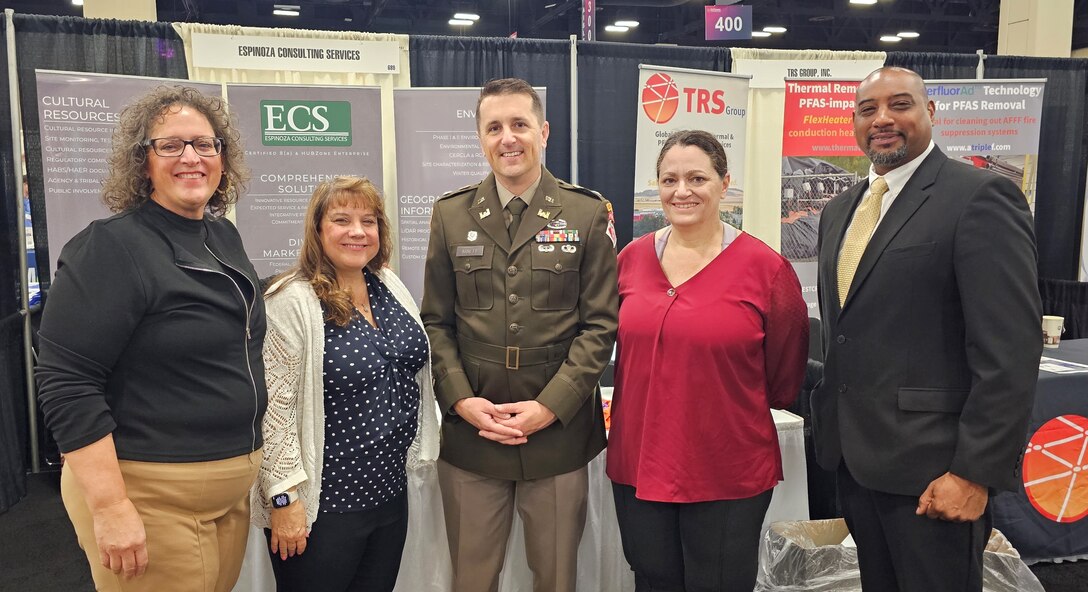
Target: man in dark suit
[(520, 306), (932, 335)]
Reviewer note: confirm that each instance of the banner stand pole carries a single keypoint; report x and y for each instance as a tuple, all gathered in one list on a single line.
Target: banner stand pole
[(574, 109), (24, 295)]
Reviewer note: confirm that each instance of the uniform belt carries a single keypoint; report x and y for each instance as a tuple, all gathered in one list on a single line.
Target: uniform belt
[(513, 357)]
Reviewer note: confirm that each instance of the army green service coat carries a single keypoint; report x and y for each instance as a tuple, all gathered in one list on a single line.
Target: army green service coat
[(554, 301)]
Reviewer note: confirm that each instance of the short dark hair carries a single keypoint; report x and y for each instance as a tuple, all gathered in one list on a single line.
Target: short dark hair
[(701, 140), (510, 86)]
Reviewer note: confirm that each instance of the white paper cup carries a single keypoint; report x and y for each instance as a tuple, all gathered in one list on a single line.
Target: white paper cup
[(1053, 327)]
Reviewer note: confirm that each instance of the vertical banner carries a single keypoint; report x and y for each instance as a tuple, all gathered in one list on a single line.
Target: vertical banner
[(990, 124), (672, 99), (438, 150), (77, 112), (820, 159), (294, 138)]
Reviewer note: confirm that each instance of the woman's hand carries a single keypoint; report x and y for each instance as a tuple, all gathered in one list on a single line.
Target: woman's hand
[(122, 542), (118, 528), (289, 531)]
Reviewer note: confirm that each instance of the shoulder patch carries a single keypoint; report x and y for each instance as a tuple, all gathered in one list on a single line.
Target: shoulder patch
[(578, 189), (464, 189)]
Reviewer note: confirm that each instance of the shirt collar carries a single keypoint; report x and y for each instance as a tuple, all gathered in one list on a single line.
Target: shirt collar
[(505, 195)]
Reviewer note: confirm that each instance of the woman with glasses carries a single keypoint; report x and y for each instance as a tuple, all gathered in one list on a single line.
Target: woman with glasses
[(150, 373)]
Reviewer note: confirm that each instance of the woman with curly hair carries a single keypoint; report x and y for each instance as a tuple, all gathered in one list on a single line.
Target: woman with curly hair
[(150, 373), (350, 401)]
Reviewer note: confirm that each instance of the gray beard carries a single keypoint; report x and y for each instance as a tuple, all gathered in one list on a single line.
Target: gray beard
[(888, 159)]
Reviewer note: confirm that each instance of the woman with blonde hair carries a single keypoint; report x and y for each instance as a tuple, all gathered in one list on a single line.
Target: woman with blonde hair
[(351, 403)]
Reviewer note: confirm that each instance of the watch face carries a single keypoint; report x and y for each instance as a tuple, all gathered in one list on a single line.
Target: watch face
[(281, 500)]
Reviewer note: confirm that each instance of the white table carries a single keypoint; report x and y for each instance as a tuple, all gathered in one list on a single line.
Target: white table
[(425, 566)]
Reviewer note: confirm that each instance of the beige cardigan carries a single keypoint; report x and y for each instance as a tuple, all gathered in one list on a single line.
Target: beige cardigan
[(294, 425)]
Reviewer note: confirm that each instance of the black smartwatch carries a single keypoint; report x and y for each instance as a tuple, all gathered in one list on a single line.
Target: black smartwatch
[(282, 500)]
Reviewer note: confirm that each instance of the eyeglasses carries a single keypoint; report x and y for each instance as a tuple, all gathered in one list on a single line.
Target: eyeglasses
[(173, 147)]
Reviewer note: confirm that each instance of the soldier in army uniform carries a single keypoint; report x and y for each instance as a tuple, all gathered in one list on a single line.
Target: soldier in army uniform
[(520, 306)]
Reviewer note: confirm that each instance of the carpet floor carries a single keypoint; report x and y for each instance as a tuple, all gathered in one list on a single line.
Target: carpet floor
[(41, 555)]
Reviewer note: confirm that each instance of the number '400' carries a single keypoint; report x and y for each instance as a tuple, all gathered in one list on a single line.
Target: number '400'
[(728, 23)]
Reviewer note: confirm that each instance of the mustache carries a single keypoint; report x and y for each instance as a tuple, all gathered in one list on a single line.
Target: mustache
[(898, 133)]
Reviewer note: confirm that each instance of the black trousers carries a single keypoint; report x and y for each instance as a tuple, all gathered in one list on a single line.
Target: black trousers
[(696, 547), (347, 552), (899, 551)]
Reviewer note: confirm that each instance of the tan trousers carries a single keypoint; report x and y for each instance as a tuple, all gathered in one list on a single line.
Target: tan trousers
[(196, 516), (479, 513)]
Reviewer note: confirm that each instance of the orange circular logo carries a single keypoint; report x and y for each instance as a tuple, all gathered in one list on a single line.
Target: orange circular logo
[(660, 98), (1056, 469)]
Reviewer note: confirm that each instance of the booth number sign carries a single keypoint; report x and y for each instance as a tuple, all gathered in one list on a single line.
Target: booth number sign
[(728, 22)]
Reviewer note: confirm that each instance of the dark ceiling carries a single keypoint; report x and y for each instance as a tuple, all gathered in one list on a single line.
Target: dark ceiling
[(951, 26)]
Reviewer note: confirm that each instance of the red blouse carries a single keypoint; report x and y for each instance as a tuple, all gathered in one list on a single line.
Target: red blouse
[(698, 368)]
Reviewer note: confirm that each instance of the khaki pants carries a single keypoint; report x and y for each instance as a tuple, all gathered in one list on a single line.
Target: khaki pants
[(480, 511), (196, 516)]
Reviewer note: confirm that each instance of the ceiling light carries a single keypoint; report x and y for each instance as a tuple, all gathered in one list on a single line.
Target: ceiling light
[(774, 29), (77, 2), (460, 22), (284, 12), (616, 29), (760, 34), (628, 24), (890, 38), (862, 1), (466, 16), (907, 34)]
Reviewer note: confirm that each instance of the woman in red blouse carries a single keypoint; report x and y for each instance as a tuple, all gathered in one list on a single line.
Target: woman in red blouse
[(713, 333)]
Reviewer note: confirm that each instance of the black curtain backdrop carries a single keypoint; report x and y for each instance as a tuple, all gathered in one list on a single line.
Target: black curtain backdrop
[(1059, 188), (1068, 299), (13, 424), (82, 45), (934, 66), (472, 61), (608, 107)]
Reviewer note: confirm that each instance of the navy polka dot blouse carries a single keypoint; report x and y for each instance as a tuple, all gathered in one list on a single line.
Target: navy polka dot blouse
[(371, 403)]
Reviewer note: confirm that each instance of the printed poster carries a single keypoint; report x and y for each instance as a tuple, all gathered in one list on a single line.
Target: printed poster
[(990, 124), (672, 99), (295, 137)]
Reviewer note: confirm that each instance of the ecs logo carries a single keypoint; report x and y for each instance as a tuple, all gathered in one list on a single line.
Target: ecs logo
[(306, 123), (660, 98)]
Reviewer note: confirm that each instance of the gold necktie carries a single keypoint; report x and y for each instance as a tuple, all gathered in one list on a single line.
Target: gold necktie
[(857, 237)]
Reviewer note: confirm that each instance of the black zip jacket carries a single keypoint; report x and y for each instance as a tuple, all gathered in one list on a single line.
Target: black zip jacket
[(160, 346)]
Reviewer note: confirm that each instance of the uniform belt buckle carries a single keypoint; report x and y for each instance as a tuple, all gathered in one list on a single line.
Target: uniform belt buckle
[(513, 353)]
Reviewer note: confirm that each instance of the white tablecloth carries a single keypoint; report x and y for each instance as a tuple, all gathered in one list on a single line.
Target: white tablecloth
[(425, 566)]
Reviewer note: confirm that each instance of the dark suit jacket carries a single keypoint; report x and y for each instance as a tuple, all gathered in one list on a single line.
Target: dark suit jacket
[(931, 364), (480, 289)]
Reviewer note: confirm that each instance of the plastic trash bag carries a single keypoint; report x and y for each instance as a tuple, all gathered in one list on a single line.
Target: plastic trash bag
[(808, 556)]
